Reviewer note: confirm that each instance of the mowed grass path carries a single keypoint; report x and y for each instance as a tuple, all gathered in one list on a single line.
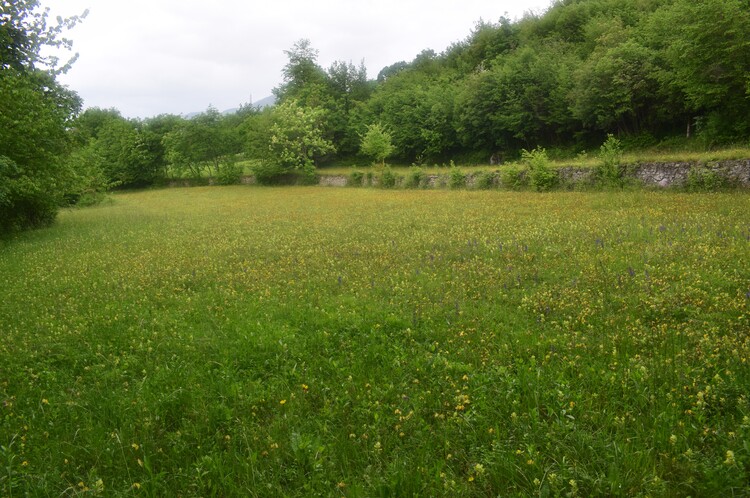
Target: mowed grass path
[(241, 341)]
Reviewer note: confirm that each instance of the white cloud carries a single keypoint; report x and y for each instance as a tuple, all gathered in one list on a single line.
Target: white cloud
[(147, 57)]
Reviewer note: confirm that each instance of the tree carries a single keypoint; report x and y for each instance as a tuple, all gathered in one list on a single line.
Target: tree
[(349, 90), (483, 46), (153, 131), (417, 110), (91, 121), (391, 70), (35, 112), (376, 143), (125, 158), (304, 79), (704, 55), (616, 88), (25, 29), (521, 101), (296, 140), (202, 143)]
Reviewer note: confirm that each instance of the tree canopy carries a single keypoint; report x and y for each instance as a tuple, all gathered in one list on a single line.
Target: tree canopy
[(35, 114)]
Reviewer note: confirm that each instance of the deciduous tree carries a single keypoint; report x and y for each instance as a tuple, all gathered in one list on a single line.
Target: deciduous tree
[(35, 112), (377, 143)]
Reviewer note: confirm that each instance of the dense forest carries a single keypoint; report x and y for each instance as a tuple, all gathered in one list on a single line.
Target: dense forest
[(647, 71)]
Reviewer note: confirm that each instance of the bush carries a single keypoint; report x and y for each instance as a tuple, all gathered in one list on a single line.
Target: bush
[(484, 180), (702, 179), (308, 175), (541, 175), (229, 174), (355, 178), (387, 178), (610, 171), (513, 177), (268, 172), (23, 203), (456, 179), (415, 178)]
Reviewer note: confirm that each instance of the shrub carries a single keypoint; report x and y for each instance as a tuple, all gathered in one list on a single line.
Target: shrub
[(513, 177), (702, 179), (308, 175), (387, 178), (484, 180), (355, 178), (541, 175), (267, 172), (456, 179), (230, 173), (24, 203), (609, 171), (415, 178)]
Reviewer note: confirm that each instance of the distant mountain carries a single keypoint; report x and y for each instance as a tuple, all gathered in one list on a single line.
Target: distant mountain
[(260, 104), (266, 102)]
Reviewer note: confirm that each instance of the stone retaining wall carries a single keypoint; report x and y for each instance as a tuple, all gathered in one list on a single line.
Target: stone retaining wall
[(733, 173)]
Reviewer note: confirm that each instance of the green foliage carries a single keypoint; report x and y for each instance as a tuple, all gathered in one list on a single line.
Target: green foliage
[(124, 152), (415, 178), (90, 182), (541, 175), (484, 180), (35, 112), (24, 203), (152, 132), (297, 140), (617, 87), (609, 170), (304, 79), (377, 143), (521, 100), (26, 30), (418, 111), (230, 173), (349, 90), (513, 177), (705, 62), (356, 178), (456, 178), (268, 172), (308, 175), (387, 178), (206, 142), (125, 160), (703, 179)]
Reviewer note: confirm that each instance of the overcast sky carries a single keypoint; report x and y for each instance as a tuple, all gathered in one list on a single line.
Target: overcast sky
[(148, 57)]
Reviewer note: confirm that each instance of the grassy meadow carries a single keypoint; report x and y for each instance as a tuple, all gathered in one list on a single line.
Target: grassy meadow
[(245, 341)]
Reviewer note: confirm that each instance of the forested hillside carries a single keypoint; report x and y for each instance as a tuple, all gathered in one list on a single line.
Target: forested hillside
[(647, 71)]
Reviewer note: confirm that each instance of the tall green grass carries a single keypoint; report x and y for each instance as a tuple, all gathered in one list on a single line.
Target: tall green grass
[(241, 341)]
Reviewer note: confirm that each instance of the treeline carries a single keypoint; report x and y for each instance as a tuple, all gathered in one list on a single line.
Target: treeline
[(644, 70), (647, 71)]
